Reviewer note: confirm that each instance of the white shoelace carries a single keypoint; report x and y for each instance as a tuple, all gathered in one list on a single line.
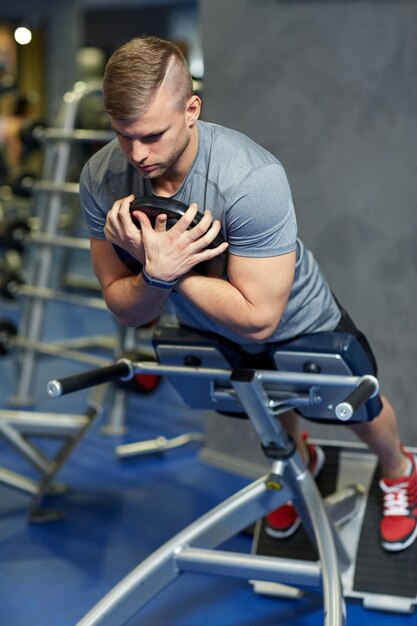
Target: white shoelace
[(395, 499)]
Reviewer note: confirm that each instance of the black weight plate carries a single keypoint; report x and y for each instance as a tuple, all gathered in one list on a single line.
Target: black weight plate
[(173, 209)]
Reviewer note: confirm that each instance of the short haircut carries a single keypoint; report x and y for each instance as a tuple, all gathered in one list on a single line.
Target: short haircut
[(137, 69)]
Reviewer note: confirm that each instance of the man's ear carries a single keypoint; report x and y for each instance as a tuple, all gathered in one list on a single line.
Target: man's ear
[(192, 110)]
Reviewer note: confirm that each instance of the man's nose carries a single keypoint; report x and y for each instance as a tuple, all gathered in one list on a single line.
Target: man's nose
[(138, 151)]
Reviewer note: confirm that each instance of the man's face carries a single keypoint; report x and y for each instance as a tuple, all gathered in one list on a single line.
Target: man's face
[(157, 141)]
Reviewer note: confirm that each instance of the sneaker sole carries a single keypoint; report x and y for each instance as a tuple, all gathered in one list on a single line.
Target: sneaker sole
[(397, 547)]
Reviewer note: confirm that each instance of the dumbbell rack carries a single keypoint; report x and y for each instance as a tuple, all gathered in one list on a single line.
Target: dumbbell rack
[(53, 234), (49, 194), (21, 429), (46, 241)]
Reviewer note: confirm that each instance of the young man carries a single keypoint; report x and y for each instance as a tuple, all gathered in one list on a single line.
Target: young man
[(273, 289)]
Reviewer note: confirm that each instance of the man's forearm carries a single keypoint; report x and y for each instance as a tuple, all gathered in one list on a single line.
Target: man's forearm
[(133, 302)]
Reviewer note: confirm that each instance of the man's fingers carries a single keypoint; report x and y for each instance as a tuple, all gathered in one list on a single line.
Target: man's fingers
[(210, 233), (161, 223), (186, 220), (143, 220), (124, 214), (119, 211)]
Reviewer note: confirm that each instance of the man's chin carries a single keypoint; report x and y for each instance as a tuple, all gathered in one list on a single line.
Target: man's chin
[(153, 171)]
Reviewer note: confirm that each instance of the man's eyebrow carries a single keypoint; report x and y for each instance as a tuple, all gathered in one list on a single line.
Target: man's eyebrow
[(158, 131)]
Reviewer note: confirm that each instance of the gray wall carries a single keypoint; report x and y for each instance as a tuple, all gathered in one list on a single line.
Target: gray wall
[(331, 89)]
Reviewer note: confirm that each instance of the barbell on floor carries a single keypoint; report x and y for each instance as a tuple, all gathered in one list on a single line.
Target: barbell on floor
[(9, 340)]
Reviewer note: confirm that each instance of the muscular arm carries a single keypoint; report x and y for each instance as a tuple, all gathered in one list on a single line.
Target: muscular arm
[(165, 254), (252, 303), (249, 304), (129, 298)]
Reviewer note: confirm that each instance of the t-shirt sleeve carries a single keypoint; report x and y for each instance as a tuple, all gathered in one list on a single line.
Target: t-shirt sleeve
[(261, 220), (95, 217)]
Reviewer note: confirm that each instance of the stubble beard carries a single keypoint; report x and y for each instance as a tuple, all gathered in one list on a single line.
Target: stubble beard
[(169, 164)]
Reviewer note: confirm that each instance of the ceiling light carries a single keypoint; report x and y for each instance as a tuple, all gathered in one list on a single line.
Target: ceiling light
[(23, 35)]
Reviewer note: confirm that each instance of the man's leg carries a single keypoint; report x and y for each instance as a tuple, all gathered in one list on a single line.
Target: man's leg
[(291, 424), (381, 435), (398, 525)]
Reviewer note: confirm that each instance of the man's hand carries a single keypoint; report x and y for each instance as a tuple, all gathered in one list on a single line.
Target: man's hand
[(169, 254), (166, 254), (121, 231)]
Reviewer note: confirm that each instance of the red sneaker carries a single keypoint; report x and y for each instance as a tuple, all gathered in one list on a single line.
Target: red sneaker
[(284, 521), (398, 526)]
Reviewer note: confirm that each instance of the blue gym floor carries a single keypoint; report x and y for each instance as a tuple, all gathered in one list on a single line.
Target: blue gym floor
[(120, 511)]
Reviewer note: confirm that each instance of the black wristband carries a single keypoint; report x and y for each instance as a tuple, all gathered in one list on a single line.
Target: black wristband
[(155, 282)]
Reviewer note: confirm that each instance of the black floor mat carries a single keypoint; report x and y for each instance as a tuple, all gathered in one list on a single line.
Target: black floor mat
[(299, 545), (378, 571)]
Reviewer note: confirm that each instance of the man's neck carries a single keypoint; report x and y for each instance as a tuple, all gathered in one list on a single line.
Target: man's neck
[(166, 187)]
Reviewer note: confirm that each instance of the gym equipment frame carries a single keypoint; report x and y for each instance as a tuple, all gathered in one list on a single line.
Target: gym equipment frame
[(333, 394), (18, 427), (50, 195)]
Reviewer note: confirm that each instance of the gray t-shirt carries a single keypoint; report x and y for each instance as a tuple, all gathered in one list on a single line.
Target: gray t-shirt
[(246, 188)]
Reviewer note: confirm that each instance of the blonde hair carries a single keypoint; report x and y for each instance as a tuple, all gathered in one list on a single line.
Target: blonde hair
[(137, 69)]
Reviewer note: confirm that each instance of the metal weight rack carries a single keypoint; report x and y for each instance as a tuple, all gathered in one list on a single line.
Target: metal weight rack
[(52, 196), (49, 245)]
